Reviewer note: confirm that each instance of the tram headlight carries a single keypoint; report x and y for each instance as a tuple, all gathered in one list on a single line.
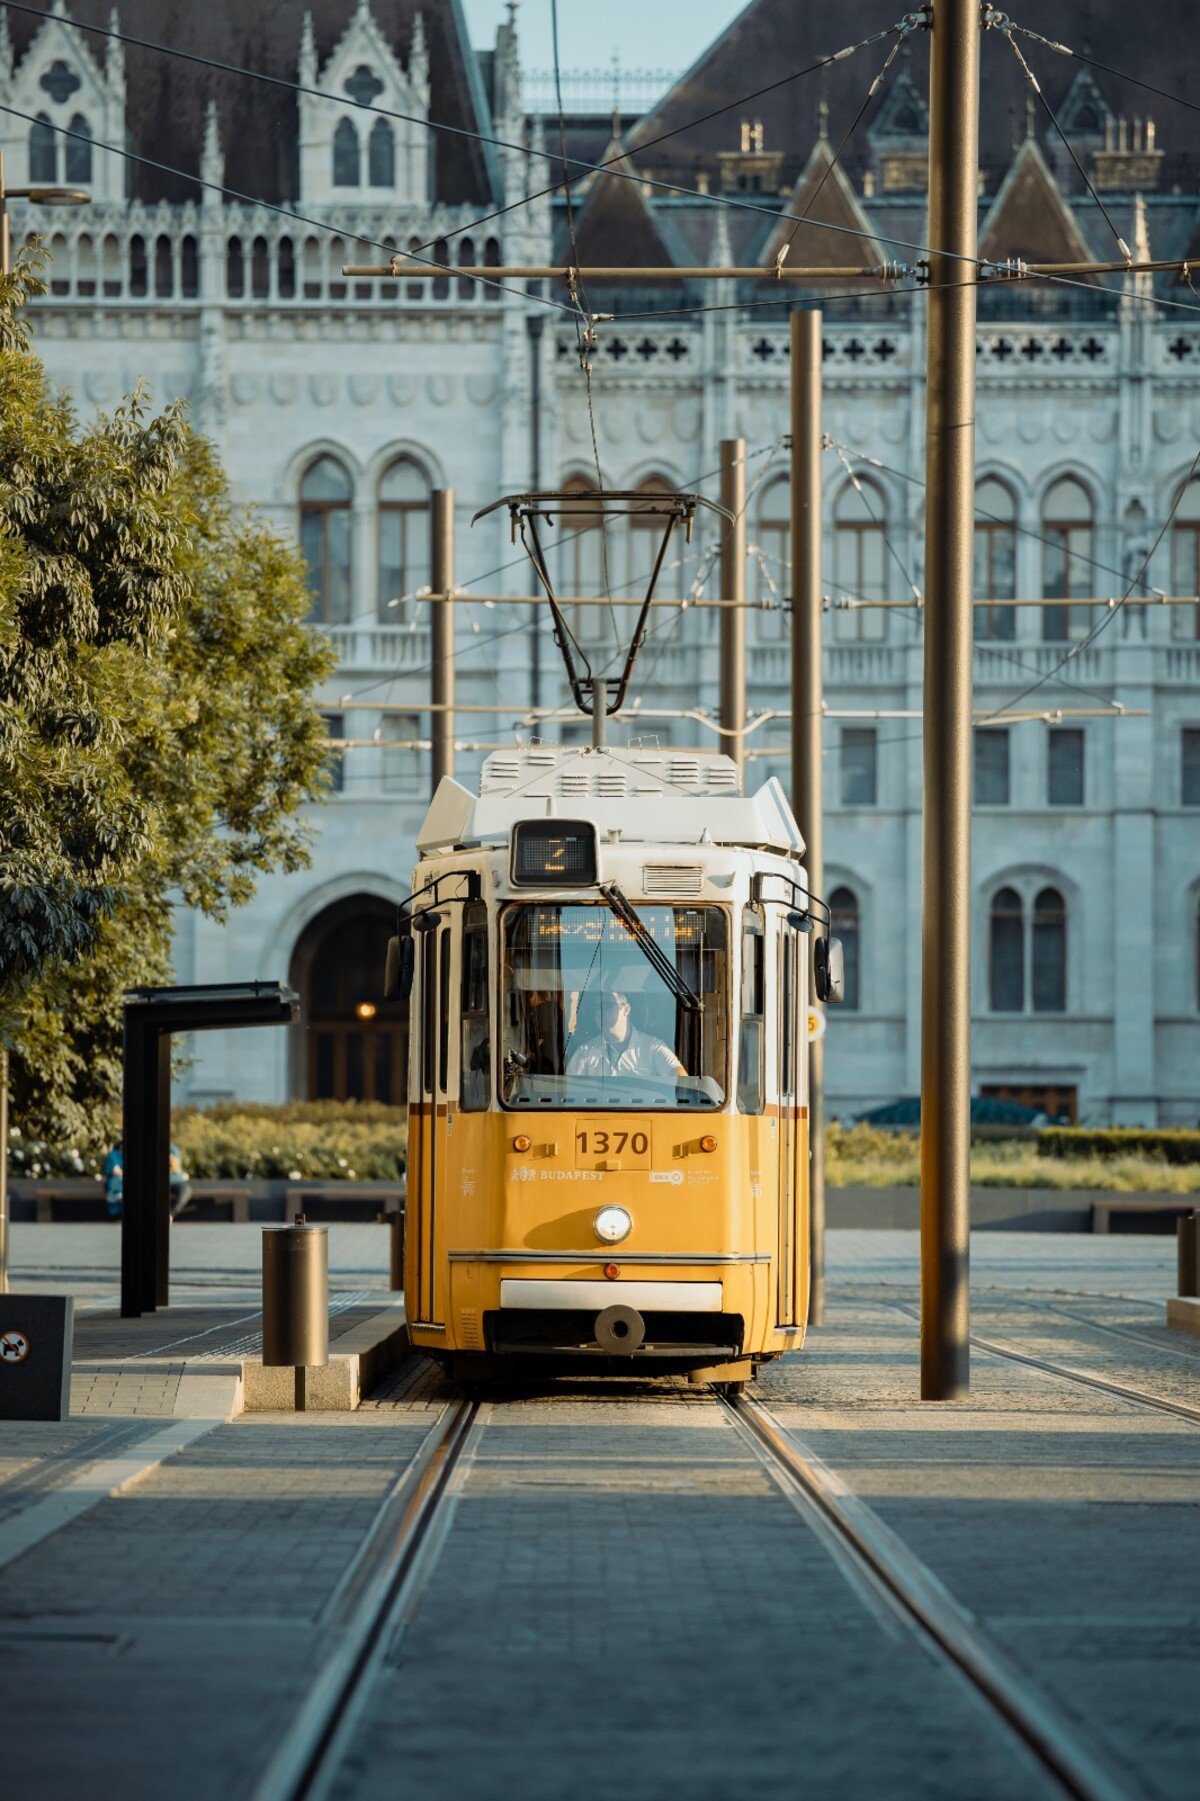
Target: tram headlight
[(612, 1224)]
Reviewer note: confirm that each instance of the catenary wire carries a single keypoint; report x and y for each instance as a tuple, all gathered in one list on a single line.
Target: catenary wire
[(611, 167), (585, 168), (1092, 62), (284, 212), (1002, 25)]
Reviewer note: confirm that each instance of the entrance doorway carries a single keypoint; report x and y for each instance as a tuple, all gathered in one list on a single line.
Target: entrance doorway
[(349, 1044)]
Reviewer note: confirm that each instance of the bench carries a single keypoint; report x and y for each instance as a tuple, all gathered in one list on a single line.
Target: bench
[(83, 1198), (1167, 1206), (340, 1200)]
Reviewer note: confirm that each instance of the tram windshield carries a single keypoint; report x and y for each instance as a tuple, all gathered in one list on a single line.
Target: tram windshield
[(590, 1022)]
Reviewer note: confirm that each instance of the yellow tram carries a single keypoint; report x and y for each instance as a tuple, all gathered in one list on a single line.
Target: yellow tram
[(606, 958)]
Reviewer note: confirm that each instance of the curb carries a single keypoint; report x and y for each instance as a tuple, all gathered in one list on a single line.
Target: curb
[(362, 1358)]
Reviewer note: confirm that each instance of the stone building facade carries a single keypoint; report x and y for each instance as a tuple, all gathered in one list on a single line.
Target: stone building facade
[(338, 405)]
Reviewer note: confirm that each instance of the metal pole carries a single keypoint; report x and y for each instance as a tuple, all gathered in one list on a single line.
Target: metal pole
[(599, 714), (807, 697), (946, 846), (733, 587), (533, 325), (441, 532), (3, 1169)]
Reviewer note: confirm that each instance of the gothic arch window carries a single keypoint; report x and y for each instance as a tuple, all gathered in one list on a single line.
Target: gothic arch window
[(325, 495), (582, 557), (381, 156), (467, 289), (645, 541), (771, 569), (845, 924), (403, 539), (235, 269), (79, 150), (995, 557), (163, 271), (1196, 944), (1067, 552), (860, 559), (1185, 561), (1049, 952), (347, 157), (1006, 953), (43, 150)]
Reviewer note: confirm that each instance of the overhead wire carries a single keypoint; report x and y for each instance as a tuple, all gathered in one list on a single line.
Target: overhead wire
[(611, 166), (585, 168), (1081, 56)]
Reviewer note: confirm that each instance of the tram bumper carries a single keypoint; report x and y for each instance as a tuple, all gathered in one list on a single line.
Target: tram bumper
[(673, 1324)]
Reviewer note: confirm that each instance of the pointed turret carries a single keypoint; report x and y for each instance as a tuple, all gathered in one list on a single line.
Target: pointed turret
[(212, 159), (418, 55), (114, 54), (823, 197), (1030, 217), (308, 52), (6, 52)]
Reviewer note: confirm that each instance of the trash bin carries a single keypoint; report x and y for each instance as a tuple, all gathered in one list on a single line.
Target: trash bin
[(295, 1289)]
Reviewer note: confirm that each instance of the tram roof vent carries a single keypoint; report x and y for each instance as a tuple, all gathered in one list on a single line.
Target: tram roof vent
[(673, 879), (610, 773)]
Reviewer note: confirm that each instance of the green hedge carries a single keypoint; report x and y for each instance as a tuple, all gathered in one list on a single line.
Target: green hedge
[(1174, 1145)]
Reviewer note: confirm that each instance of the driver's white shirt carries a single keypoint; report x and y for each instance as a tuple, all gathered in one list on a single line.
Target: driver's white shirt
[(637, 1054)]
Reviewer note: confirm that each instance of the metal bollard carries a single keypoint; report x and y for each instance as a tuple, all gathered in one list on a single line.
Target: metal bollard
[(295, 1289), (396, 1242), (1188, 1247)]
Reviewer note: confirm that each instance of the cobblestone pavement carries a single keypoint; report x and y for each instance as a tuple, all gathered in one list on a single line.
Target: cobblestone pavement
[(623, 1599)]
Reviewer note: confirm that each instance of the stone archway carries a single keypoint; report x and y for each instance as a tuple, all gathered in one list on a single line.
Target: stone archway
[(349, 1041)]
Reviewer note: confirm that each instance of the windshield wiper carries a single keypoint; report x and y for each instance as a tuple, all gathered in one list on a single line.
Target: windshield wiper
[(650, 949)]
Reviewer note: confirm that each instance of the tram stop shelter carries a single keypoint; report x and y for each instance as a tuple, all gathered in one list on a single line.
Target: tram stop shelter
[(152, 1015)]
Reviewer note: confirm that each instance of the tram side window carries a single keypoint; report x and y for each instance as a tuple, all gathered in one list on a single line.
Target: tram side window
[(751, 1033), (428, 1010), (787, 1058), (444, 1015), (476, 1047)]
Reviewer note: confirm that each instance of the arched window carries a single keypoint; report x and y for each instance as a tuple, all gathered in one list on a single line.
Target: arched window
[(43, 150), (138, 268), (1066, 558), (582, 557), (860, 560), (403, 539), (163, 268), (350, 1044), (381, 156), (79, 150), (1197, 948), (1006, 953), (467, 289), (347, 170), (1049, 952), (260, 269), (325, 538), (770, 570), (645, 541), (995, 558), (189, 268), (844, 924), (1185, 561)]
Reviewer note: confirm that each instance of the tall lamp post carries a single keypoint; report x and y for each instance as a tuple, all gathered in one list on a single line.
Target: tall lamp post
[(40, 196)]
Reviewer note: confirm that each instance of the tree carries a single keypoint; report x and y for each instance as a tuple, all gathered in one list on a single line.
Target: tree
[(158, 737)]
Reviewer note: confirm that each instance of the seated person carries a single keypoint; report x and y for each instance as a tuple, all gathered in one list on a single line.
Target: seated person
[(621, 1050)]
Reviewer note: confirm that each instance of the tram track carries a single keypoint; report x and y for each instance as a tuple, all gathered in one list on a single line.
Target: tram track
[(911, 1588), (1138, 1397), (376, 1597)]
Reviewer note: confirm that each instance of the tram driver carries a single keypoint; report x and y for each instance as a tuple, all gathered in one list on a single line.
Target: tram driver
[(620, 1049)]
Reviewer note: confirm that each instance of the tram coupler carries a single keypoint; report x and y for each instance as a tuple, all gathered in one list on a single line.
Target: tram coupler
[(620, 1330)]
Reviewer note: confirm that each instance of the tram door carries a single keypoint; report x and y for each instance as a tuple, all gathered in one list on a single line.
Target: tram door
[(791, 1043), (427, 1156)]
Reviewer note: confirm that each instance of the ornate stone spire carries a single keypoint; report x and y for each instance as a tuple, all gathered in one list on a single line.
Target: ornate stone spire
[(212, 158), (114, 53), (1142, 283), (308, 52), (721, 254), (418, 54)]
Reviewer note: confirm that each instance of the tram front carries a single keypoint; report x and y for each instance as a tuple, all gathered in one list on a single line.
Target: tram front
[(615, 1177)]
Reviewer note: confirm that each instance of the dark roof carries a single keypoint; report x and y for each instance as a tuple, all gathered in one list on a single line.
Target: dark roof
[(167, 98), (770, 37)]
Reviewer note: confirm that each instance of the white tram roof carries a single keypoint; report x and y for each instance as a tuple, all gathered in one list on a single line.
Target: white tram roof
[(650, 797)]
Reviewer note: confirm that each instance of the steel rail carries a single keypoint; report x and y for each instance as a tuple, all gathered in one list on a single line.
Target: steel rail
[(1138, 1396), (315, 1742), (932, 1611)]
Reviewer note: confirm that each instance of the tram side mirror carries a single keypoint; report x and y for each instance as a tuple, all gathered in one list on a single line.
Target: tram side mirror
[(800, 922), (398, 970), (829, 971)]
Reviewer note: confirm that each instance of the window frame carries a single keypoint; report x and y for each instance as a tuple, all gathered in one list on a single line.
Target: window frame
[(321, 509), (1058, 532), (849, 933), (991, 735), (868, 734), (752, 1011), (1056, 734), (995, 624), (403, 511)]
